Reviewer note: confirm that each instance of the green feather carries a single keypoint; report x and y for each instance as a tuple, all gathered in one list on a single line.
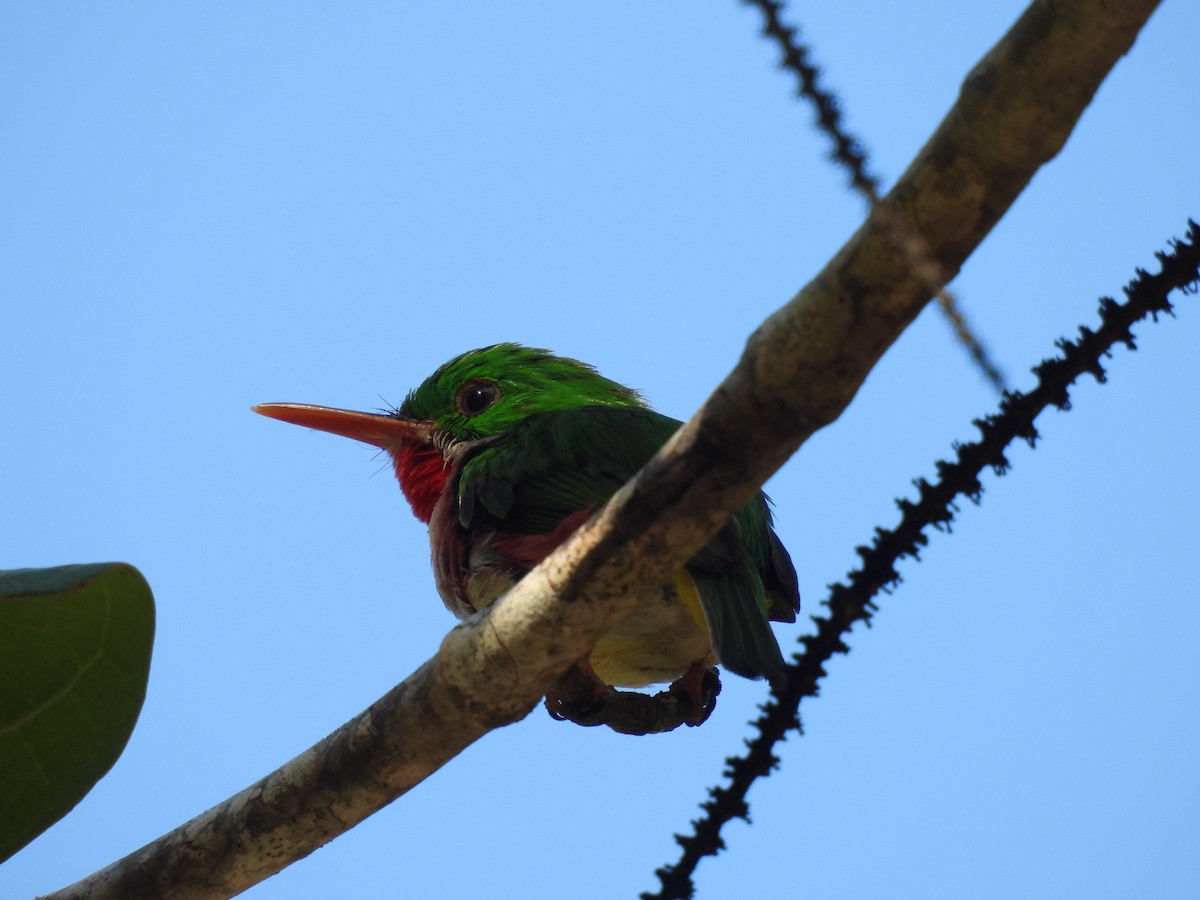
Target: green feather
[(560, 438)]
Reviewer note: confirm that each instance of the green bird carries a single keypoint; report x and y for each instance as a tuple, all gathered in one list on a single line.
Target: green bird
[(505, 451)]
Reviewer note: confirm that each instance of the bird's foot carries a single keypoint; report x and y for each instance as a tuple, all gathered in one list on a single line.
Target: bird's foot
[(699, 685), (579, 695)]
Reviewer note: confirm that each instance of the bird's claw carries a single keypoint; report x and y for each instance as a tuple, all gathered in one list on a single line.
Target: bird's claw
[(699, 685), (579, 696)]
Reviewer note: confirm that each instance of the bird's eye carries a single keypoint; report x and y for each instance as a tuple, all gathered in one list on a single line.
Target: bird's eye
[(476, 396)]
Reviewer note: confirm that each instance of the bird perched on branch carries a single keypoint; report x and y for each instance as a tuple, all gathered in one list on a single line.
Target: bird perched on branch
[(505, 451)]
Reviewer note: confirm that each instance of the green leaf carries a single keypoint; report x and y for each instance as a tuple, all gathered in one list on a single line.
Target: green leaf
[(75, 647)]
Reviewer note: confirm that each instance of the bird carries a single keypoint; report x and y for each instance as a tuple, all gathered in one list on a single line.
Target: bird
[(504, 451)]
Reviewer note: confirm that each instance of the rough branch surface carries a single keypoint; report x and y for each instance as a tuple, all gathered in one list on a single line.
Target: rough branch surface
[(799, 371)]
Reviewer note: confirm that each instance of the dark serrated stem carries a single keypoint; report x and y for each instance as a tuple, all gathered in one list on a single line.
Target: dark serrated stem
[(853, 600)]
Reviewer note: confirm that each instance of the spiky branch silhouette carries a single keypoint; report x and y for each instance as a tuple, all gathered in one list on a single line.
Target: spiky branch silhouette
[(853, 600)]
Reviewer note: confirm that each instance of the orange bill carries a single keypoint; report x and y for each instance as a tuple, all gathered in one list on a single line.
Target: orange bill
[(379, 429)]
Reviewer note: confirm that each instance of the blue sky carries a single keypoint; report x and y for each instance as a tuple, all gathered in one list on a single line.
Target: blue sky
[(206, 206)]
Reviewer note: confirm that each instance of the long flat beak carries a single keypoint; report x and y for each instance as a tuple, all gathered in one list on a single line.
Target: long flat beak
[(383, 431)]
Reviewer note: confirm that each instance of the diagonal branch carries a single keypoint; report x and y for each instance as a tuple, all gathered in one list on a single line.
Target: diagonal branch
[(799, 371)]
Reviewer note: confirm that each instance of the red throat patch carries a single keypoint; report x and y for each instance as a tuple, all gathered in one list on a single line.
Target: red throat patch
[(422, 475)]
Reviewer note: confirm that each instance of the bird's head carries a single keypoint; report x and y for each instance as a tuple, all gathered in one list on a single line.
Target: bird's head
[(481, 395), (488, 392)]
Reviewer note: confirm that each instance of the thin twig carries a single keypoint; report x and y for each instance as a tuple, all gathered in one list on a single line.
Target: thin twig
[(849, 151)]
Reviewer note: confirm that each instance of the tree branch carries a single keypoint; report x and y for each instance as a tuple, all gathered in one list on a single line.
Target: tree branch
[(800, 369)]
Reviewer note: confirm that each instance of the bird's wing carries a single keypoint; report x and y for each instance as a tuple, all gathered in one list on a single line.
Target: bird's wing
[(555, 466), (745, 577)]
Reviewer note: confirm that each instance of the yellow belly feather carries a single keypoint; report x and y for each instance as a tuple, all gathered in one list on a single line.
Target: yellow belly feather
[(658, 642)]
